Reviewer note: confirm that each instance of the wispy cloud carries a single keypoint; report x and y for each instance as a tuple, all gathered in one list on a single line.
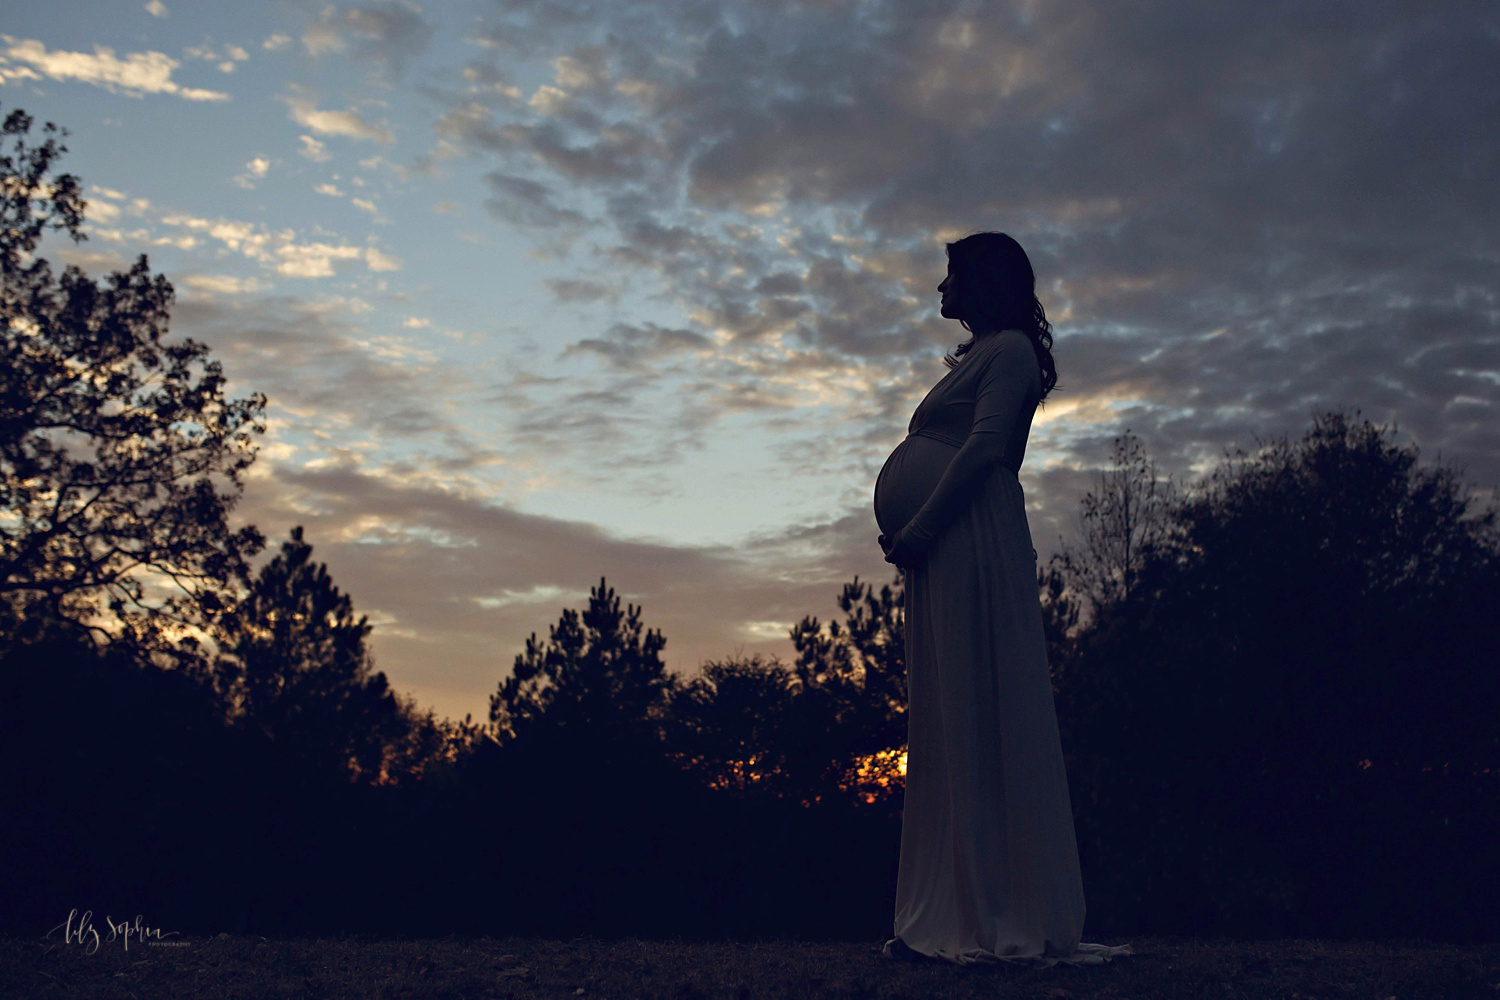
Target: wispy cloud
[(313, 149), (350, 124), (390, 34), (381, 261), (225, 61), (136, 75), (220, 284), (441, 562), (281, 250)]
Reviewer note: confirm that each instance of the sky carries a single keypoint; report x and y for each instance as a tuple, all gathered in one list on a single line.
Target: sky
[(543, 292)]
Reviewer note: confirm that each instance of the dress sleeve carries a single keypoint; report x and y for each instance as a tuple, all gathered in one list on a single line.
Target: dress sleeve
[(1004, 388)]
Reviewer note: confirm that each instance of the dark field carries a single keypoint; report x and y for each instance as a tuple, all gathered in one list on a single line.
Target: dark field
[(254, 967)]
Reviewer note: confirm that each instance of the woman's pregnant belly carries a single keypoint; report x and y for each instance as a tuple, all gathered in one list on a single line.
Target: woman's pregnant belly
[(908, 479)]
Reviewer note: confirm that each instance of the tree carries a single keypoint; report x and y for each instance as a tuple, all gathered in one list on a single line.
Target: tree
[(1353, 591), (1122, 521), (1125, 523), (120, 457), (1061, 613), (1315, 636), (296, 667), (849, 694), (729, 725), (598, 680), (1303, 600)]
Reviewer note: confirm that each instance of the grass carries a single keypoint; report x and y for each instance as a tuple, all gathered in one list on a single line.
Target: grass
[(251, 966)]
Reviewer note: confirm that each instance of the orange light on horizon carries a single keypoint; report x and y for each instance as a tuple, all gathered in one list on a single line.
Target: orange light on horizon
[(870, 777), (877, 775)]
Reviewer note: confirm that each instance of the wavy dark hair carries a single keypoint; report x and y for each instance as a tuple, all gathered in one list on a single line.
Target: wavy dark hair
[(997, 286)]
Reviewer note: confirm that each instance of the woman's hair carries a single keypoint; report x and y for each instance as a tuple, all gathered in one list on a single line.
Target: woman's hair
[(996, 285)]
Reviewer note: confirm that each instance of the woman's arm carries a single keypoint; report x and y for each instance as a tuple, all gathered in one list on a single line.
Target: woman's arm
[(1005, 386)]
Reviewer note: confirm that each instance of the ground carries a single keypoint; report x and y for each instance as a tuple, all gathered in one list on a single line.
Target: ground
[(251, 966)]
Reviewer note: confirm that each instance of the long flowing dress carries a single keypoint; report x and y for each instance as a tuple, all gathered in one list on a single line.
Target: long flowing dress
[(989, 861)]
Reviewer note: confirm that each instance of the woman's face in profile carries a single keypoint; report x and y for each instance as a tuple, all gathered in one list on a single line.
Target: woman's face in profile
[(948, 308)]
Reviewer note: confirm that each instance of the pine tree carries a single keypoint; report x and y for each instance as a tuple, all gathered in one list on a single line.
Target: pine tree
[(296, 667), (599, 679)]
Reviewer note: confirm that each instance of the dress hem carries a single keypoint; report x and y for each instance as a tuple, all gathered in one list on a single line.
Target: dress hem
[(1086, 953)]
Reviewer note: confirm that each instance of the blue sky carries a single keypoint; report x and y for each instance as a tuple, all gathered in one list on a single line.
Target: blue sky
[(541, 292)]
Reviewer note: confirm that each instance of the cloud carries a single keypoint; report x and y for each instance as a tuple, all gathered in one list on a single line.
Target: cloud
[(529, 204), (255, 170), (370, 208), (313, 149), (390, 35), (579, 290), (345, 123), (316, 357), (1230, 215), (280, 250), (638, 347), (156, 8), (453, 570), (316, 260), (102, 211), (313, 260), (379, 261), (138, 74), (11, 73), (225, 63), (219, 284)]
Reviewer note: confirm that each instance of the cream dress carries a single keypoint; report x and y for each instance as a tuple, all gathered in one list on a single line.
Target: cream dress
[(989, 862)]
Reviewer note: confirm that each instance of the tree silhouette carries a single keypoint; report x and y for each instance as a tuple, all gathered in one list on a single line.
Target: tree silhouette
[(295, 666), (849, 693), (599, 679), (1061, 613), (120, 457), (730, 725), (1316, 634), (1122, 521), (1358, 580)]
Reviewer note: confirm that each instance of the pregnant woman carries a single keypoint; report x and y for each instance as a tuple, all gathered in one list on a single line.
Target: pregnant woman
[(989, 862)]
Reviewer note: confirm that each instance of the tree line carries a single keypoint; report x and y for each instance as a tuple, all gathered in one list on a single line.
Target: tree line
[(1276, 686)]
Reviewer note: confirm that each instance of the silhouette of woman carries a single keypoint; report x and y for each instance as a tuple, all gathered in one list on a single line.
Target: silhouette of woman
[(989, 862)]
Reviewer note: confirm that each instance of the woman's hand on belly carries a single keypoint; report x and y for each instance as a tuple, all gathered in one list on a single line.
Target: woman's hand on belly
[(899, 551)]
